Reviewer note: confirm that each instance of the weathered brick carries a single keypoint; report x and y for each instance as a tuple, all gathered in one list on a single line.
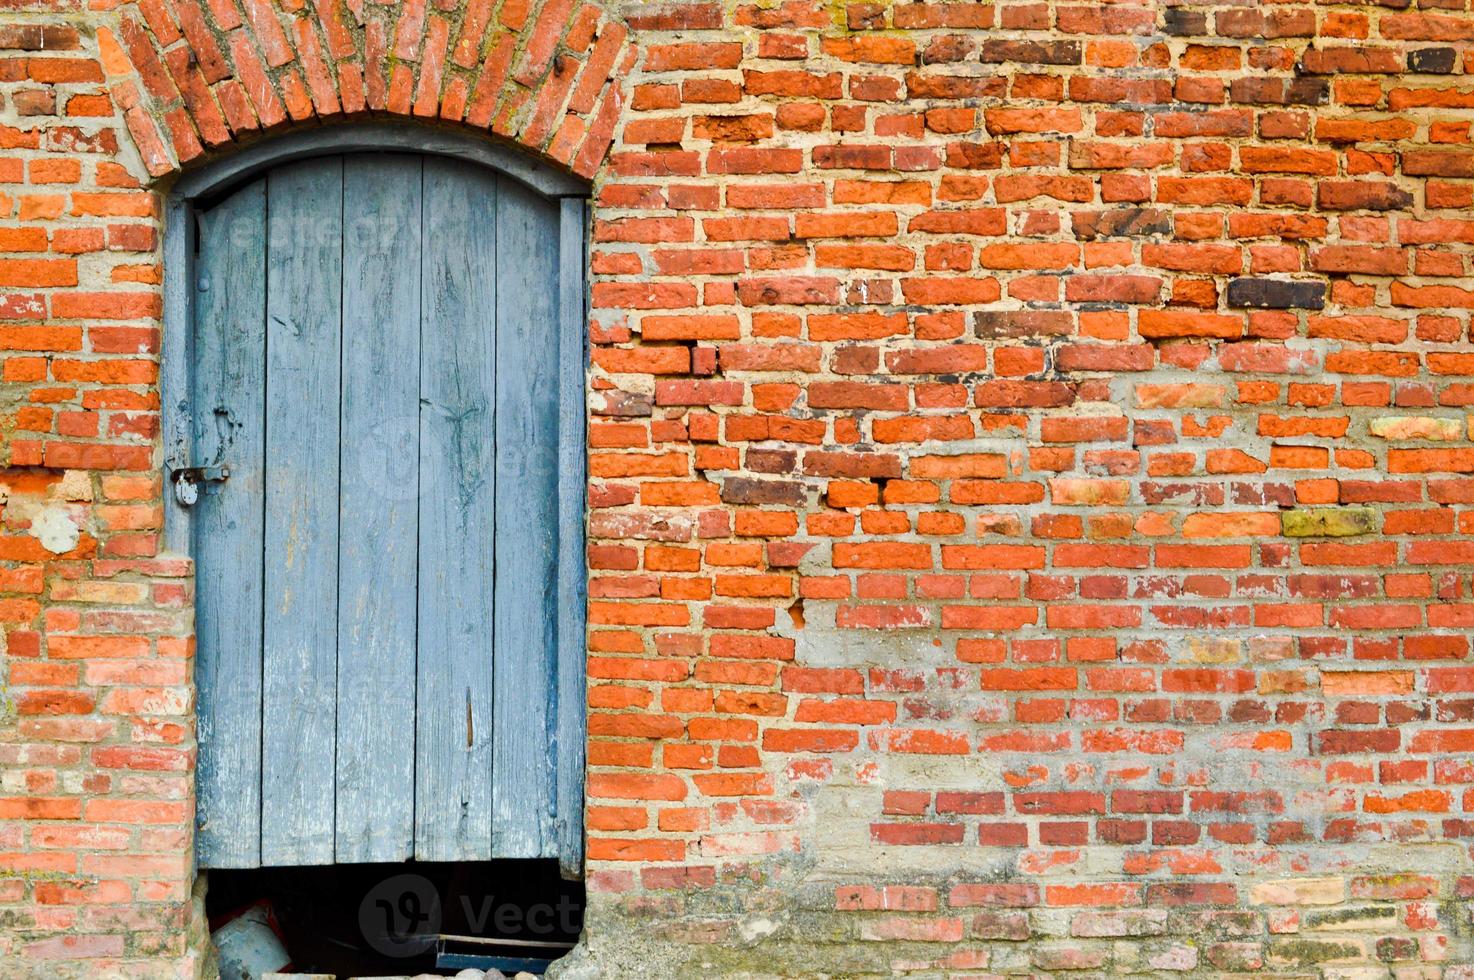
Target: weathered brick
[(1432, 61), (1277, 294), (1329, 522)]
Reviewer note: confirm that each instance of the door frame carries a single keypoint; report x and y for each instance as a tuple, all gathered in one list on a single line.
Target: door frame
[(177, 359)]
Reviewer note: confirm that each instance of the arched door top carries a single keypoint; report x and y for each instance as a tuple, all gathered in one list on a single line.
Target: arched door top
[(221, 175), (198, 186), (548, 76)]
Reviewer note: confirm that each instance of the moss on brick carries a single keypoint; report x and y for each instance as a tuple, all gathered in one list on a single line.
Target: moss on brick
[(1308, 952), (1373, 916), (1329, 522)]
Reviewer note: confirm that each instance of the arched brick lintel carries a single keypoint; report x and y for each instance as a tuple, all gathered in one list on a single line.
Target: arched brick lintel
[(194, 79)]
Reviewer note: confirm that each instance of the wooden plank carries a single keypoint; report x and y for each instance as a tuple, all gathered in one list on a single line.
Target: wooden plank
[(176, 359), (527, 433), (458, 452), (229, 428), (570, 729), (380, 465), (304, 271)]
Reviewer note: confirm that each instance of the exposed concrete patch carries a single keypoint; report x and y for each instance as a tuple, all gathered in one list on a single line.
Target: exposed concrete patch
[(44, 502), (55, 529)]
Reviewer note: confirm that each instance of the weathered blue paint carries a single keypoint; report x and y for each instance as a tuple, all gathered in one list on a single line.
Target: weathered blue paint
[(304, 262), (378, 564), (526, 525), (392, 578), (229, 426), (459, 386), (569, 732)]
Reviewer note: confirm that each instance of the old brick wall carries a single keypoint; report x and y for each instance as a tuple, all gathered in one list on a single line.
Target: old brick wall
[(1029, 524), (99, 108), (1032, 488), (95, 731)]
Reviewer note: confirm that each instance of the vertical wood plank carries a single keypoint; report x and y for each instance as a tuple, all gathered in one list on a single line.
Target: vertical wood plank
[(458, 453), (176, 359), (229, 400), (380, 466), (570, 732), (527, 436), (304, 273)]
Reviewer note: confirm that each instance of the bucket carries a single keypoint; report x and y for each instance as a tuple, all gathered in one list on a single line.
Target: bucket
[(250, 944)]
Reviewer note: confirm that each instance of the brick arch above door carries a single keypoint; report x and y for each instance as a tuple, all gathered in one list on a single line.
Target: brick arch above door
[(196, 78)]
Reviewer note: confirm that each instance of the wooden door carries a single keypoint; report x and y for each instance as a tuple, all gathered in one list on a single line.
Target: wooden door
[(387, 363)]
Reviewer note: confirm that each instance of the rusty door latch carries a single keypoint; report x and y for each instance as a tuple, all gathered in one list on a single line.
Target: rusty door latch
[(187, 481)]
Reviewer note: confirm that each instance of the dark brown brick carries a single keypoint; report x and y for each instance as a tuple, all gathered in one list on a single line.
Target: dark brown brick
[(1277, 294), (1184, 23), (1032, 52), (1022, 323), (1432, 61), (744, 490), (1121, 223)]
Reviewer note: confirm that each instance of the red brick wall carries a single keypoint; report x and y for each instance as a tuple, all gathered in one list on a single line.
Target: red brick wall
[(1032, 479), (100, 109), (1030, 516), (95, 728)]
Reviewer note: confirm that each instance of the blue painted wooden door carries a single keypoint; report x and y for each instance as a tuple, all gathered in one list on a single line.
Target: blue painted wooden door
[(381, 361)]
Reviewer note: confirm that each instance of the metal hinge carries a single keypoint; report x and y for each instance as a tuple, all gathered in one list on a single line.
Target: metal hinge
[(187, 480)]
